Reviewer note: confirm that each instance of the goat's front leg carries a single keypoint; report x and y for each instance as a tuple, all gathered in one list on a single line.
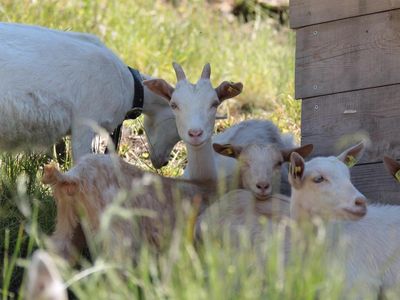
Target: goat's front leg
[(82, 137)]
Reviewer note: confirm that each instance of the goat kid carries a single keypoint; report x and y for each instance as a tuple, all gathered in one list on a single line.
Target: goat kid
[(195, 107), (322, 187), (259, 166), (246, 207), (153, 203)]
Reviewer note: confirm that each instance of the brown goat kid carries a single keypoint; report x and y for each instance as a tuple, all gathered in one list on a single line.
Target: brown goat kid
[(149, 208)]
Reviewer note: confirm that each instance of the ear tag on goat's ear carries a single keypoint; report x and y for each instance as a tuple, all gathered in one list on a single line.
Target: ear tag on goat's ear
[(227, 151), (230, 89), (397, 175), (350, 161), (295, 170)]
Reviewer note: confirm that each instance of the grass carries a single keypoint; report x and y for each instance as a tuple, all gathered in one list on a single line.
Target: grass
[(149, 35)]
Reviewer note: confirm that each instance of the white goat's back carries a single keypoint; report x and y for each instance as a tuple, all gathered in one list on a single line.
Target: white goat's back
[(51, 80)]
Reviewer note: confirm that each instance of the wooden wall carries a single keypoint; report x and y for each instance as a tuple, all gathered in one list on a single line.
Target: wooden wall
[(348, 77)]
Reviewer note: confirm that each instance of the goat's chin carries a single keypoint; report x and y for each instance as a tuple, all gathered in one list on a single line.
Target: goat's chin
[(196, 143), (263, 196), (353, 214)]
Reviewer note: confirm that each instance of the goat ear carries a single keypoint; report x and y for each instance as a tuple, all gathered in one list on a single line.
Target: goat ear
[(351, 156), (160, 87), (228, 150), (51, 175), (44, 280), (393, 167), (296, 169), (228, 90), (303, 151)]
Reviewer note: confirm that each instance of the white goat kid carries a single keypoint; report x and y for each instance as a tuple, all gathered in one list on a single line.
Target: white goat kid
[(53, 82), (260, 165), (322, 187), (195, 107)]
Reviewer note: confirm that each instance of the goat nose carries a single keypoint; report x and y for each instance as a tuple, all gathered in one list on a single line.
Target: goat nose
[(262, 185), (195, 132), (360, 202)]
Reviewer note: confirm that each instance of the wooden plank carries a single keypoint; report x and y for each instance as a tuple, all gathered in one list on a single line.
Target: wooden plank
[(327, 119), (347, 55), (309, 12), (374, 181)]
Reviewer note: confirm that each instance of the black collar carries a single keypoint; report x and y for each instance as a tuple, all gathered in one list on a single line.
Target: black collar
[(137, 105)]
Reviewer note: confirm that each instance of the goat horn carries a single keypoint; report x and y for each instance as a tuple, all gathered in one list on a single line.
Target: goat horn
[(206, 71), (180, 75)]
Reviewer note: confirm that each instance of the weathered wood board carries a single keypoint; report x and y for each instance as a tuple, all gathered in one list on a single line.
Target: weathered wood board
[(326, 120), (309, 12), (374, 181), (349, 54)]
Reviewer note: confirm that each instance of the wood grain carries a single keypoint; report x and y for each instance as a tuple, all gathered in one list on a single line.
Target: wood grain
[(309, 12), (374, 181), (329, 122), (347, 55)]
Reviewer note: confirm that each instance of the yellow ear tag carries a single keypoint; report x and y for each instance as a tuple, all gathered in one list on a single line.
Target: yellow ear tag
[(228, 151), (230, 89), (350, 161), (295, 171), (397, 175)]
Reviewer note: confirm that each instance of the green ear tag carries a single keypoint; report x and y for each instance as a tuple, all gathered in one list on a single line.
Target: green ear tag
[(397, 175), (350, 161)]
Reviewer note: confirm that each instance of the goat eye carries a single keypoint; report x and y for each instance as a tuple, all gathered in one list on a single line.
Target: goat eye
[(318, 179), (174, 105), (278, 164)]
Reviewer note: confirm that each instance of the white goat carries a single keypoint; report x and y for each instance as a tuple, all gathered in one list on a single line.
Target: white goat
[(322, 187), (195, 107), (238, 212), (259, 165), (53, 82)]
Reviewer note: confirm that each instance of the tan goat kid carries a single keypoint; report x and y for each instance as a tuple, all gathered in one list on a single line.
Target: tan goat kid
[(149, 207)]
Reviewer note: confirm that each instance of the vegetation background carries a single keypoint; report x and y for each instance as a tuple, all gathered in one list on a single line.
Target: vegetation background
[(252, 46)]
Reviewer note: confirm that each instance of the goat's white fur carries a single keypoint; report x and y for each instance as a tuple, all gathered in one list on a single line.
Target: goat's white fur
[(372, 253), (238, 211), (53, 82)]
